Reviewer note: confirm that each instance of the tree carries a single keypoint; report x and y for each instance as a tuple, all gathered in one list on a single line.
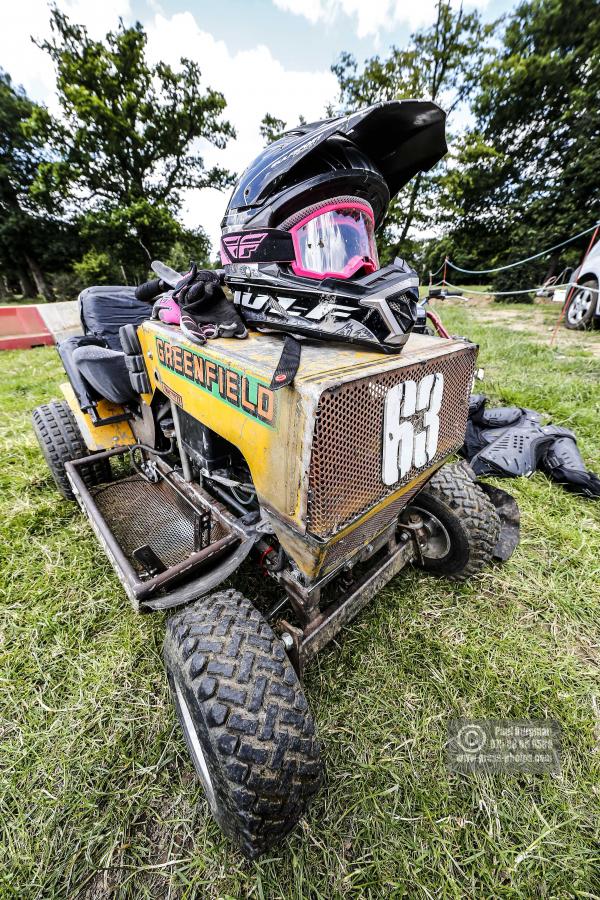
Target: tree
[(440, 63), (26, 232), (271, 128), (125, 143), (527, 176)]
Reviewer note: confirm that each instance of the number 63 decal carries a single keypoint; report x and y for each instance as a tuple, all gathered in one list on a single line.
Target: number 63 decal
[(403, 446)]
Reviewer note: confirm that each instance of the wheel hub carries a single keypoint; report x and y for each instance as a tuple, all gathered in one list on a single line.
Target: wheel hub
[(438, 540), (579, 306)]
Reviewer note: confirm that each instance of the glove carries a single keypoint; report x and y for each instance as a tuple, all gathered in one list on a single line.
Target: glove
[(205, 310), (167, 310), (150, 289)]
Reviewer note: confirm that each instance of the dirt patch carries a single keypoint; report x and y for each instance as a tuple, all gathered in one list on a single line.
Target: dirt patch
[(532, 321)]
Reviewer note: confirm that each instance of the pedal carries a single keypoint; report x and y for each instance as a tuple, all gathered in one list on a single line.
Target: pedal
[(148, 559), (202, 530)]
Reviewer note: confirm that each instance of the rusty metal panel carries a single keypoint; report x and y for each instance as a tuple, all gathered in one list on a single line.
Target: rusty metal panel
[(140, 512), (351, 543), (345, 472)]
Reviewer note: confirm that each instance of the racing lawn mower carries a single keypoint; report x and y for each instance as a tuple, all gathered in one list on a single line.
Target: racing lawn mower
[(292, 409)]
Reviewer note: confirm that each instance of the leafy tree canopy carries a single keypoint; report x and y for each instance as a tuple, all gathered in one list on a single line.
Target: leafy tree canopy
[(440, 63), (127, 128), (102, 185), (527, 176), (271, 128), (28, 235), (125, 146)]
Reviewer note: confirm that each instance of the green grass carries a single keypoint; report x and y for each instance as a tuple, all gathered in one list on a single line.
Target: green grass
[(98, 797)]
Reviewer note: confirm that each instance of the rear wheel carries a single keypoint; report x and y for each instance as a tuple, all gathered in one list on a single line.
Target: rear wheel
[(245, 719), (580, 311), (61, 441), (462, 524)]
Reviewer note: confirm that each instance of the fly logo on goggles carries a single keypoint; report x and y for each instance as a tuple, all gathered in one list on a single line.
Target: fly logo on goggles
[(405, 446), (242, 246), (290, 307)]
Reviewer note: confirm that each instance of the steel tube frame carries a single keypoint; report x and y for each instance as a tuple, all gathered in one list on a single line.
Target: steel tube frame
[(140, 591), (322, 629)]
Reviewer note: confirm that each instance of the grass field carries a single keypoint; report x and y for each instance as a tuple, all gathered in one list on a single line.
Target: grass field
[(98, 797)]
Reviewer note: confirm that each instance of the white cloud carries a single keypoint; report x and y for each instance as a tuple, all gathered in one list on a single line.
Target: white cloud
[(371, 16), (253, 83), (26, 63)]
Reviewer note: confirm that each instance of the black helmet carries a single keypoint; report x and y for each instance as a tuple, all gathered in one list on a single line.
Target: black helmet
[(267, 193), (298, 240)]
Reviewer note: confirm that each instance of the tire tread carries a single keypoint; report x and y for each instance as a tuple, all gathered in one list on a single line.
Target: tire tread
[(60, 440), (454, 486), (256, 715)]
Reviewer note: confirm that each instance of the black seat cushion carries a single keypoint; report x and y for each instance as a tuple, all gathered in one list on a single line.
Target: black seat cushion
[(84, 392), (104, 309), (105, 370)]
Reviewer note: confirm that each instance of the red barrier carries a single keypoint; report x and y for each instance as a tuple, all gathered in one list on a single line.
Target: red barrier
[(22, 327)]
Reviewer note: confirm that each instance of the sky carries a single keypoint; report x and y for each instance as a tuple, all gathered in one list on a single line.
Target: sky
[(264, 55)]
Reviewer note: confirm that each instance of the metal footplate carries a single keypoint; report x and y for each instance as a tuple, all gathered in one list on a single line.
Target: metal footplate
[(161, 533)]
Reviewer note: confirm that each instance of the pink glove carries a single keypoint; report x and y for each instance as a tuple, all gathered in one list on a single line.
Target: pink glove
[(167, 310)]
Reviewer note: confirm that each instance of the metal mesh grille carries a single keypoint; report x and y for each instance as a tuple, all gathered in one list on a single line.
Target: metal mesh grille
[(140, 513), (345, 468), (363, 534)]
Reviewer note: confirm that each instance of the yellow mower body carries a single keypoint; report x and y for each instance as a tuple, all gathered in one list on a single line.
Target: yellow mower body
[(100, 437), (316, 449)]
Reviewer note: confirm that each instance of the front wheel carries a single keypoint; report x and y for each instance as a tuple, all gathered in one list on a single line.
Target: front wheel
[(244, 717), (582, 305), (462, 524)]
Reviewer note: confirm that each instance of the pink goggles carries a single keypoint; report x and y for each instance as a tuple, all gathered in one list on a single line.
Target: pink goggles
[(335, 240)]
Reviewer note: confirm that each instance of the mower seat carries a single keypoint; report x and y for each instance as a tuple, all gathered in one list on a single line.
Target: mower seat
[(87, 397), (105, 308), (106, 371)]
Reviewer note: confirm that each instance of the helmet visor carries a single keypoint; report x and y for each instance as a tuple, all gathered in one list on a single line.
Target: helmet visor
[(336, 240)]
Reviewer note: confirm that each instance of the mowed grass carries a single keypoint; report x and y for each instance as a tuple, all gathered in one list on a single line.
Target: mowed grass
[(98, 797)]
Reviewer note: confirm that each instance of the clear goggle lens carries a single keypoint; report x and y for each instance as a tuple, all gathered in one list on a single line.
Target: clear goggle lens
[(337, 241)]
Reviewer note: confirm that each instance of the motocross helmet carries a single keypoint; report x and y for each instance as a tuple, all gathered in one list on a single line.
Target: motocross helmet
[(298, 236)]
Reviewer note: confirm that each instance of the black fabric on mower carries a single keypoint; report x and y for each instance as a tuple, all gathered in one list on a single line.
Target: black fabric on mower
[(105, 309), (87, 397), (106, 371)]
